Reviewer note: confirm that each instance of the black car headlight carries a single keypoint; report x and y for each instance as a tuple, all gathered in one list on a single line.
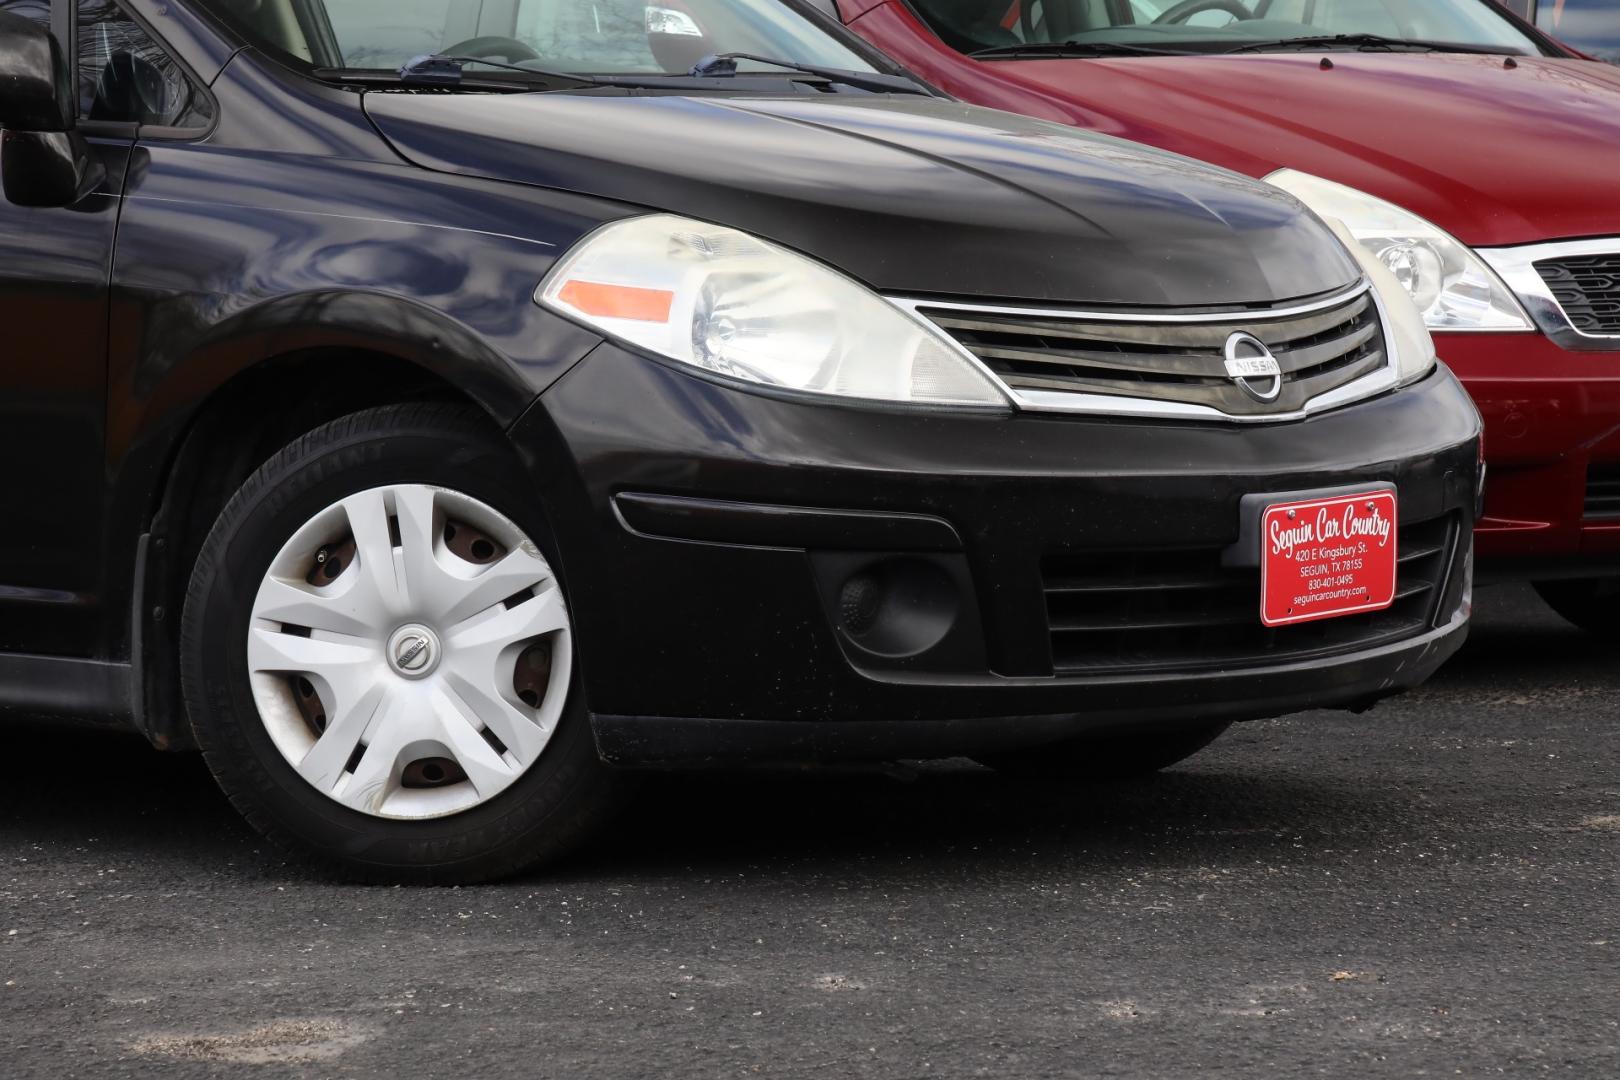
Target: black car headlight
[(732, 304)]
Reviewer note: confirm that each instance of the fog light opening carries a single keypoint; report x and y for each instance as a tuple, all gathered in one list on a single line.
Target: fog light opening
[(859, 602), (898, 607)]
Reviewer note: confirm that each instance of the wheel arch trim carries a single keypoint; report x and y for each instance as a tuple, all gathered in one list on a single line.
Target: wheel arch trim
[(150, 448)]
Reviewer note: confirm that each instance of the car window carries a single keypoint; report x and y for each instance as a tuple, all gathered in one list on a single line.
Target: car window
[(126, 76), (123, 74), (615, 35), (1212, 25), (387, 33), (602, 35), (1145, 11), (1593, 26), (596, 36)]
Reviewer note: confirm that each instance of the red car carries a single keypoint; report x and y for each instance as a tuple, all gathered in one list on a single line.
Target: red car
[(1474, 155)]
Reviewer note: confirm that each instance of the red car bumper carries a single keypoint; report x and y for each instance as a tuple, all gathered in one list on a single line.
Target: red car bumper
[(1552, 423)]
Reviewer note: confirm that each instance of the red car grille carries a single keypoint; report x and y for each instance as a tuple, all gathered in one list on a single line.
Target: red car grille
[(1587, 287)]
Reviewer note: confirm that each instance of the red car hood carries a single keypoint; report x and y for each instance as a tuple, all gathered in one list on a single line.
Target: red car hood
[(1493, 154)]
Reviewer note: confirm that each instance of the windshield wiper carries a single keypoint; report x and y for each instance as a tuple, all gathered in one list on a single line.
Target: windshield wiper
[(444, 73), (724, 64), (1061, 49), (1361, 41), (442, 69)]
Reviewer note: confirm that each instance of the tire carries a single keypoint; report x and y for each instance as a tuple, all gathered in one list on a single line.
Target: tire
[(429, 791), (1112, 757), (1593, 604)]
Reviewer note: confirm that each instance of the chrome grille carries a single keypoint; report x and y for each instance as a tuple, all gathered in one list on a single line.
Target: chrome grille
[(1171, 357), (1587, 288), (1564, 288)]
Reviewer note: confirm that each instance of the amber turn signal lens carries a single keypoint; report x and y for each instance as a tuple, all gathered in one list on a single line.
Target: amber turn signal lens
[(618, 301)]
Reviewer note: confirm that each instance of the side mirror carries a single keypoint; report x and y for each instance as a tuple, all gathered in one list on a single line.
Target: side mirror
[(675, 38), (35, 92), (43, 160)]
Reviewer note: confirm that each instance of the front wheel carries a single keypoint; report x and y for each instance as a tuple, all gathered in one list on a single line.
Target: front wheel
[(1593, 604), (1109, 757), (377, 656)]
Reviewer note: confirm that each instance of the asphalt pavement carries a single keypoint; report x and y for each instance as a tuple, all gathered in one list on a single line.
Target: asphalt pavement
[(1430, 889)]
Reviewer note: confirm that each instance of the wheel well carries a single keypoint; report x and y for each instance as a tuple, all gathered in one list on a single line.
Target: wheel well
[(237, 429)]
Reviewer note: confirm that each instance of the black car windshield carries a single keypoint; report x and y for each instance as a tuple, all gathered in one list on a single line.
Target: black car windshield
[(1115, 27), (636, 37)]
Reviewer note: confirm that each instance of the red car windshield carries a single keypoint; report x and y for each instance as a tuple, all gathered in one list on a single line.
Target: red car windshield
[(1218, 25)]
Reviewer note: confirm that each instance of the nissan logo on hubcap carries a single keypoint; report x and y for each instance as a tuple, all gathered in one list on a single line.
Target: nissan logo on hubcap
[(1250, 364), (413, 651), (413, 654)]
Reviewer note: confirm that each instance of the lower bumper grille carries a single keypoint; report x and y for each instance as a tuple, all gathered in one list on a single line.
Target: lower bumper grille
[(1180, 609), (1603, 491), (1587, 287)]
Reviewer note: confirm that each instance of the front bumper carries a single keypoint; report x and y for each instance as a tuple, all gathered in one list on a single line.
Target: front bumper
[(710, 585), (1552, 431)]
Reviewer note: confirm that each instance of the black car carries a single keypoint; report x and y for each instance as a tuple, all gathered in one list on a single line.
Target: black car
[(431, 410)]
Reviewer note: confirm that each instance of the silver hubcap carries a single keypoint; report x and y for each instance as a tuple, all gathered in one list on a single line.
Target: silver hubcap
[(409, 652)]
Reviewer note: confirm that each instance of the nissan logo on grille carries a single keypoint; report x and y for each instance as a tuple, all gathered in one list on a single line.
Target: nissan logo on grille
[(1249, 363)]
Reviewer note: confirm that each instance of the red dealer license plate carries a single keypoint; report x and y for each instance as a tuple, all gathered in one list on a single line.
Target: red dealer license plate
[(1326, 557)]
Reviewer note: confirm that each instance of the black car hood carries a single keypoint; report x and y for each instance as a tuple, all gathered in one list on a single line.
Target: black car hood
[(910, 195)]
